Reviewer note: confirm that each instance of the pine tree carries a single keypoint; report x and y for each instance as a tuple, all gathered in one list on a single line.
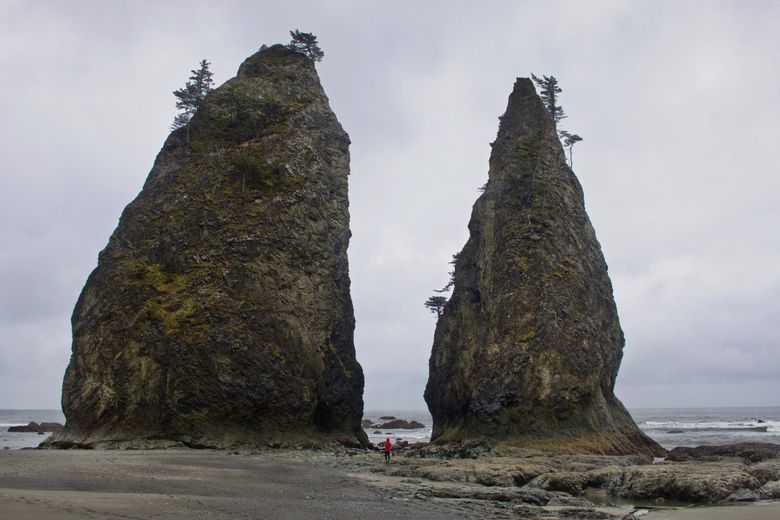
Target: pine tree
[(569, 140), (549, 90), (306, 44), (436, 304), (451, 282), (191, 96)]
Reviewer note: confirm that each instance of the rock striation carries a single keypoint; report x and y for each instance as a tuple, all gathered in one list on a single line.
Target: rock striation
[(528, 347), (219, 313)]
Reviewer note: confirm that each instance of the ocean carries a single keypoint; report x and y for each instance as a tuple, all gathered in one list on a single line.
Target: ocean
[(670, 427), (15, 441)]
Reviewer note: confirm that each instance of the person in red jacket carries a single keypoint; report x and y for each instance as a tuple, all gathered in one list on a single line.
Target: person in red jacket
[(388, 447)]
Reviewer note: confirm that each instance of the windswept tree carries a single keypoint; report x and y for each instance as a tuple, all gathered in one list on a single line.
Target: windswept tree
[(191, 96), (549, 90), (569, 140), (451, 281), (436, 304), (306, 43)]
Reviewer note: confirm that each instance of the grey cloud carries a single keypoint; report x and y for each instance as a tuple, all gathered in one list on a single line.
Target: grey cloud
[(678, 165)]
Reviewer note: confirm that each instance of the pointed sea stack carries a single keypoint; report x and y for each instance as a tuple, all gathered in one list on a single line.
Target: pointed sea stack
[(528, 347), (220, 313)]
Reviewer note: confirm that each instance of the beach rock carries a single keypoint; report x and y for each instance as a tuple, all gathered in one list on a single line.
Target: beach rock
[(568, 501), (527, 511), (401, 424), (693, 481), (744, 495), (33, 426), (467, 449), (689, 482), (750, 451), (770, 491), (529, 345), (219, 313), (765, 471), (387, 418)]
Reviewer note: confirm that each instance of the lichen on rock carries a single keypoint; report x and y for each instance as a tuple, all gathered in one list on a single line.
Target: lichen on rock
[(528, 347), (220, 312)]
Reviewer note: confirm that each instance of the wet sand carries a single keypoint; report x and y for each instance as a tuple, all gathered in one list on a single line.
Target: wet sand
[(756, 511), (65, 485), (201, 484)]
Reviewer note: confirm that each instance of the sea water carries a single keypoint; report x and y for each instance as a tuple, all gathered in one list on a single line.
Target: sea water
[(670, 427), (17, 440)]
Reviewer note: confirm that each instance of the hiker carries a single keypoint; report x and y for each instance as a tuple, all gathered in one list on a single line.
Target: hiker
[(388, 447)]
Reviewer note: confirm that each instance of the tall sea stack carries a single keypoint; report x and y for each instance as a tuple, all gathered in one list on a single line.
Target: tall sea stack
[(528, 347), (220, 313)]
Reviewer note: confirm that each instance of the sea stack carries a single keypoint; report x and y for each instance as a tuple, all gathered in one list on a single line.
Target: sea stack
[(219, 313), (528, 347)]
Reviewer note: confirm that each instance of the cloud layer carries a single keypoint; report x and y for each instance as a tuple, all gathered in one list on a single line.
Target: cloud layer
[(677, 102)]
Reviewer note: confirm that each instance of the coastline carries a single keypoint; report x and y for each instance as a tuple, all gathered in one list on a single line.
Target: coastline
[(189, 483), (293, 484)]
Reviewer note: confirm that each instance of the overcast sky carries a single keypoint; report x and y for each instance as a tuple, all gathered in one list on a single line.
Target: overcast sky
[(678, 104)]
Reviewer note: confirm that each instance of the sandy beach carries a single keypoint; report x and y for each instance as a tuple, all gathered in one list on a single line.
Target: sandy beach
[(191, 484), (187, 485)]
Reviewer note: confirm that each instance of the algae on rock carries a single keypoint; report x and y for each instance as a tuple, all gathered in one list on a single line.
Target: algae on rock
[(220, 312), (528, 347)]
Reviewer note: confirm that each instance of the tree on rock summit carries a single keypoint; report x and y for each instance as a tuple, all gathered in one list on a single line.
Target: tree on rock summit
[(306, 44), (548, 91), (189, 98)]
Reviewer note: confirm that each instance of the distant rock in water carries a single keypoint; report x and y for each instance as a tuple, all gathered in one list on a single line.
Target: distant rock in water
[(391, 423), (528, 347), (750, 451), (401, 424), (220, 313), (33, 426)]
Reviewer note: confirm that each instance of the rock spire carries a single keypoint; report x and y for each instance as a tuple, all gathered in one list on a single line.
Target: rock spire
[(220, 313), (528, 347)]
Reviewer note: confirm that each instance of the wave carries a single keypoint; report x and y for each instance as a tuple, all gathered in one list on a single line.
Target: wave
[(720, 426)]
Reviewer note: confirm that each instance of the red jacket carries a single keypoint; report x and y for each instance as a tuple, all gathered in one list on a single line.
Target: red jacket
[(388, 445)]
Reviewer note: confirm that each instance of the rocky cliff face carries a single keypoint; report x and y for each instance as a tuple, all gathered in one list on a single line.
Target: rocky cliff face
[(528, 347), (220, 312)]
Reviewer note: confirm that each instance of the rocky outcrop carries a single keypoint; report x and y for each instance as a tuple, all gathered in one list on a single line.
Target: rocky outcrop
[(528, 347), (33, 426), (394, 424), (220, 313), (730, 479), (401, 424), (749, 451)]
